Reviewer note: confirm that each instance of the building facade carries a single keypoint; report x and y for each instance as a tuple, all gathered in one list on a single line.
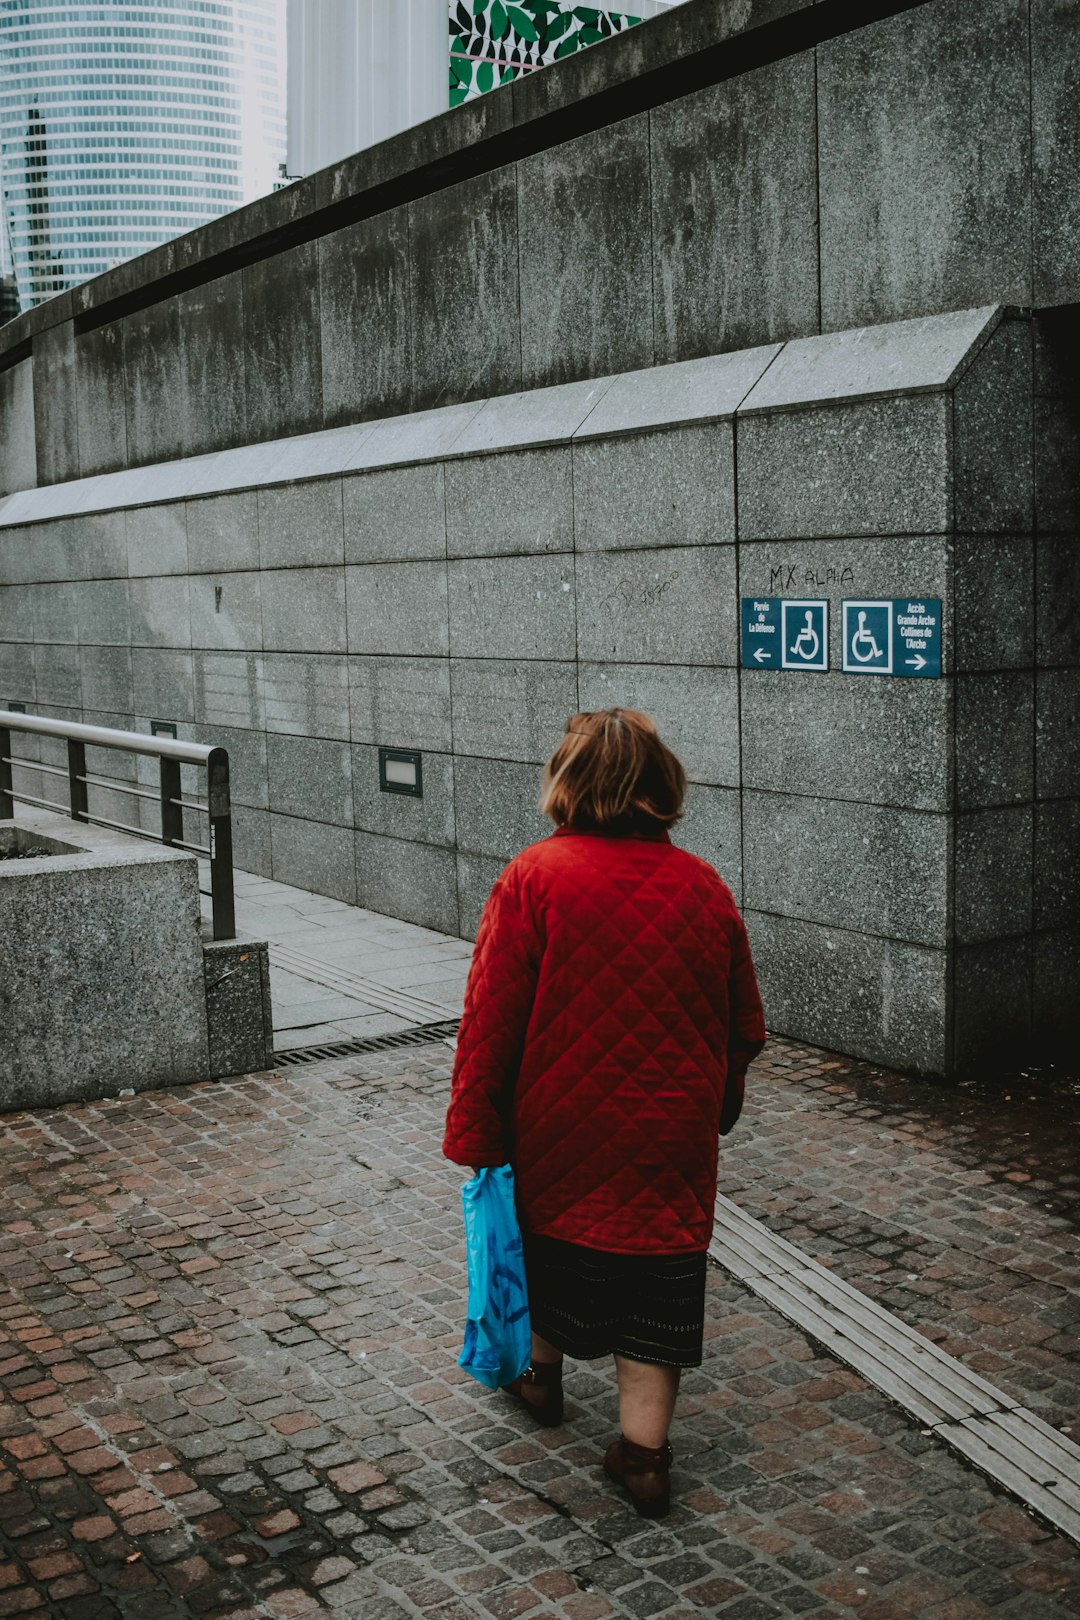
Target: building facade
[(359, 72), (492, 43), (363, 70), (9, 292), (124, 125)]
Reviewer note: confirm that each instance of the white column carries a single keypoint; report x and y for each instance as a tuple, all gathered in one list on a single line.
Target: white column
[(360, 71)]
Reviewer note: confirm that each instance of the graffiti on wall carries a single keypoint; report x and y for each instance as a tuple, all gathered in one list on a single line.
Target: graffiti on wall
[(493, 42)]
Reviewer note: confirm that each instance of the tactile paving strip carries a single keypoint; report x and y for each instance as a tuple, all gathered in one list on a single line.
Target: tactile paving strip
[(1001, 1437), (401, 1002)]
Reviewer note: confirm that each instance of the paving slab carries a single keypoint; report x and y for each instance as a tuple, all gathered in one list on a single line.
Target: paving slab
[(352, 961), (229, 1321), (955, 1209)]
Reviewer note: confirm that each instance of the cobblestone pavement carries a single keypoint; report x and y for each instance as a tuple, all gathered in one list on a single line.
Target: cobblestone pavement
[(960, 1213), (229, 1320)]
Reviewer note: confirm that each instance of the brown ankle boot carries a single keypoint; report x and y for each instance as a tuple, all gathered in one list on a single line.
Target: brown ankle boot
[(547, 1405), (645, 1474)]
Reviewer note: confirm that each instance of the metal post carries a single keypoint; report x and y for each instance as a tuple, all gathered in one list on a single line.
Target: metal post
[(76, 754), (172, 813), (221, 866), (7, 803)]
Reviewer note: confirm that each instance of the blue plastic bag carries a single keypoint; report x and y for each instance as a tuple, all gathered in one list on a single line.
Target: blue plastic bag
[(498, 1339)]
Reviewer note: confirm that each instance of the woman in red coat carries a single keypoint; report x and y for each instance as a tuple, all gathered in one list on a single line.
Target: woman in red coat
[(610, 1016)]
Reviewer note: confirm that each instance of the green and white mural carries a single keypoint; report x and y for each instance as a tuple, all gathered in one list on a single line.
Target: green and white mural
[(493, 42)]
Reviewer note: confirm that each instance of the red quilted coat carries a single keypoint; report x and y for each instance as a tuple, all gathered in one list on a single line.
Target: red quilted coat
[(610, 1001)]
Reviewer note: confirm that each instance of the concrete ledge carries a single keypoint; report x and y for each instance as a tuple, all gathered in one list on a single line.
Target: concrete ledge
[(898, 358), (101, 975), (535, 416), (106, 982), (927, 355), (238, 1012), (708, 390)]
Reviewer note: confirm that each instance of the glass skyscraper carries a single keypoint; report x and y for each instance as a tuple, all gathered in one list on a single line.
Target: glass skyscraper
[(123, 125)]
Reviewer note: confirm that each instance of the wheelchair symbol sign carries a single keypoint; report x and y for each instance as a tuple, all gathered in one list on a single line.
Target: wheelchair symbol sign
[(868, 638), (804, 635)]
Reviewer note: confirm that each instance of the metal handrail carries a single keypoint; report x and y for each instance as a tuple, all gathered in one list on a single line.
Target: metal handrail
[(171, 754)]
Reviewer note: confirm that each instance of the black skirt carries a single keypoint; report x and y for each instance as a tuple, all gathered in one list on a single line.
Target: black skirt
[(588, 1303)]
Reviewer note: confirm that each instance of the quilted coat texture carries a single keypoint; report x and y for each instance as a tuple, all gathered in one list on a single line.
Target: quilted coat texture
[(611, 1000)]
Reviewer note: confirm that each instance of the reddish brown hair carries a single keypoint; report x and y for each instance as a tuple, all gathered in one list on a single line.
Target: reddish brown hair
[(612, 773)]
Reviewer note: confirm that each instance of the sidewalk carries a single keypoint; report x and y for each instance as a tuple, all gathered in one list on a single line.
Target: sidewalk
[(229, 1319), (231, 1315), (959, 1213), (338, 972)]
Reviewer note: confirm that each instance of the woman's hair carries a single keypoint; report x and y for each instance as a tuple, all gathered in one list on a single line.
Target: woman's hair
[(612, 773)]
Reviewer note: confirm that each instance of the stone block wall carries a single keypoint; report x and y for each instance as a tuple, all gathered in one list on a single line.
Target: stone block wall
[(101, 973), (737, 172), (105, 982), (1056, 870), (900, 819), (461, 580)]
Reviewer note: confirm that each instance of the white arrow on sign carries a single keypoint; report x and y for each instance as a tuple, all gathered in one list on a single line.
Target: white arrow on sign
[(761, 653), (918, 660)]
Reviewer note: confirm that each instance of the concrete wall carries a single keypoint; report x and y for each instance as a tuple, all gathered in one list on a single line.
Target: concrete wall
[(105, 981), (735, 172), (462, 580), (504, 415), (101, 972)]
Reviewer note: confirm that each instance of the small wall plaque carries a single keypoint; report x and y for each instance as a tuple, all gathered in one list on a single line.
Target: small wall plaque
[(401, 771)]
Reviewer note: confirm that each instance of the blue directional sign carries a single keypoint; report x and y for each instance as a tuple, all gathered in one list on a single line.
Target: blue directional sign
[(804, 635), (868, 638), (761, 632), (780, 633), (917, 635), (898, 636)]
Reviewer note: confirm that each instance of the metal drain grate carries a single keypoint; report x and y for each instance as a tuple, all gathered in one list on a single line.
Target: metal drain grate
[(421, 1035)]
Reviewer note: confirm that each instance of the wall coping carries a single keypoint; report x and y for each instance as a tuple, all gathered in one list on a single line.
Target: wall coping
[(695, 45), (926, 355)]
